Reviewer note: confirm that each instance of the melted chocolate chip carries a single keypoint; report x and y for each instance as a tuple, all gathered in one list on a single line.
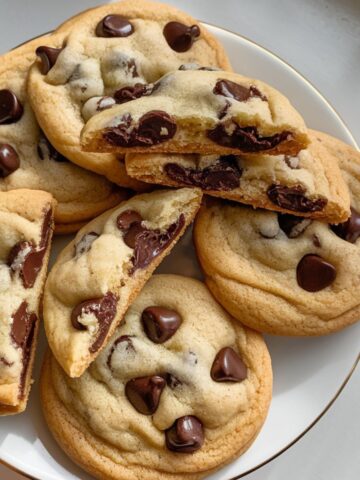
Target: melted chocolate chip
[(228, 367), (47, 151), (25, 259), (124, 340), (160, 323), (125, 94), (11, 109), (172, 381), (85, 243), (9, 160), (48, 57), (293, 198), (153, 128), (104, 309), (186, 435), (144, 393), (291, 225), (246, 139), (313, 273), (114, 26), (230, 89), (349, 230), (127, 218), (223, 175), (180, 37)]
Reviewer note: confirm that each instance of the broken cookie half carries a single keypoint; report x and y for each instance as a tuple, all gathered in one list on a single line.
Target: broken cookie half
[(100, 272)]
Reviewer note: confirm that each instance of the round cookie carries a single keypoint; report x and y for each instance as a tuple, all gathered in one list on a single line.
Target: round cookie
[(180, 390), (28, 160), (282, 274), (103, 53)]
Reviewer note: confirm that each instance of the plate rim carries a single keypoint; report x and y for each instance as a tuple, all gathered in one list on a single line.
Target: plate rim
[(357, 359)]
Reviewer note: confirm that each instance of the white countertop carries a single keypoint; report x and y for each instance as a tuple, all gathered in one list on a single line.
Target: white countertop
[(321, 39)]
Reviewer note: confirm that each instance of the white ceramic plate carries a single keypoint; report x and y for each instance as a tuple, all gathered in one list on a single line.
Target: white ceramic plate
[(308, 373)]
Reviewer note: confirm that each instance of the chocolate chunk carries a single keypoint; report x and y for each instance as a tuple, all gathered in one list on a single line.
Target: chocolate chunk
[(223, 175), (114, 26), (48, 57), (25, 259), (85, 243), (228, 367), (180, 37), (47, 151), (230, 89), (349, 230), (246, 139), (144, 393), (153, 128), (123, 340), (125, 94), (47, 227), (104, 309), (160, 323), (313, 273), (11, 109), (172, 381), (9, 160), (127, 218), (186, 435), (293, 198), (291, 225)]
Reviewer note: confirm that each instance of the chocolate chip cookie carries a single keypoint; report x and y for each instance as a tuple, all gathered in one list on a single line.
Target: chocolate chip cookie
[(200, 111), (309, 184), (29, 160), (112, 53), (283, 274), (26, 225), (101, 271), (180, 390)]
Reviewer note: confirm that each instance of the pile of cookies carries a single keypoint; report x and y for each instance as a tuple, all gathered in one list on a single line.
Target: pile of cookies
[(161, 375)]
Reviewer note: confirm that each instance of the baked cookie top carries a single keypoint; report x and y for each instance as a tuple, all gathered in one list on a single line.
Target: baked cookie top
[(178, 377), (26, 222), (28, 160), (309, 184), (100, 272), (127, 44), (199, 111), (302, 273)]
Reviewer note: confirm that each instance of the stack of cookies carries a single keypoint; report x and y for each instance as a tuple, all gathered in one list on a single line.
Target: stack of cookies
[(161, 375)]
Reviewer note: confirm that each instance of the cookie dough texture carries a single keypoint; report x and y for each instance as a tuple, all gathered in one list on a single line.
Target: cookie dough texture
[(80, 194), (198, 104), (104, 434), (315, 170), (22, 216), (90, 67), (255, 278), (89, 268)]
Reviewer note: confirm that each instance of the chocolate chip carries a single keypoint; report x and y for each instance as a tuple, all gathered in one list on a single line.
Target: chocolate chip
[(144, 393), (9, 160), (172, 381), (186, 435), (11, 109), (180, 37), (230, 89), (125, 94), (246, 139), (316, 241), (25, 259), (125, 219), (224, 175), (85, 243), (130, 237), (153, 128), (293, 198), (114, 26), (46, 228), (47, 151), (48, 57), (291, 225), (349, 230), (313, 273), (123, 340), (223, 112), (228, 367), (104, 310), (6, 362), (160, 323)]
